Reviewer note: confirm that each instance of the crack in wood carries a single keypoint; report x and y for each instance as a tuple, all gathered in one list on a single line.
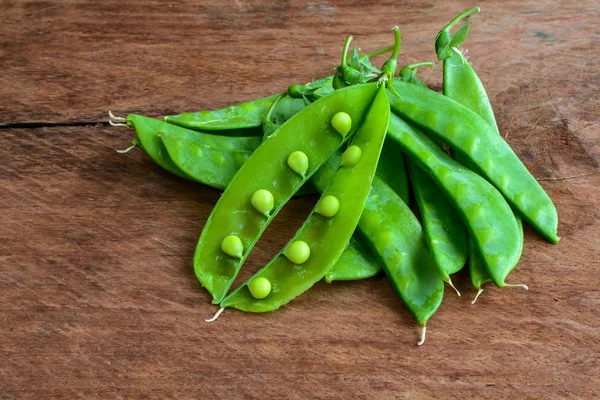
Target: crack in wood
[(42, 124)]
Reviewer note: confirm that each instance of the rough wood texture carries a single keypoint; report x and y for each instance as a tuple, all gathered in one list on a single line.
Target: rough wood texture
[(97, 290)]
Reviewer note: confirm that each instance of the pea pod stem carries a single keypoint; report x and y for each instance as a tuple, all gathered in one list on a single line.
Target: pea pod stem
[(389, 67), (379, 52), (345, 50), (420, 64), (460, 17), (397, 43)]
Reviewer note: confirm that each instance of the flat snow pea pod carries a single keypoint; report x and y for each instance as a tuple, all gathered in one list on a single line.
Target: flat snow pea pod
[(310, 132), (396, 237), (404, 257), (478, 272), (210, 159), (445, 232), (462, 84), (250, 114), (356, 262), (326, 235), (147, 132), (489, 219), (469, 134)]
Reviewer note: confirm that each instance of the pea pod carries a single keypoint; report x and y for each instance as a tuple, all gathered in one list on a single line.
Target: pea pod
[(211, 159), (445, 233), (356, 262), (250, 116), (147, 130), (462, 84), (310, 132), (396, 237), (467, 133), (326, 231), (392, 170), (491, 223), (240, 116)]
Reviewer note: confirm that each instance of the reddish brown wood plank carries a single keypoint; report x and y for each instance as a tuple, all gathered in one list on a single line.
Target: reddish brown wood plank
[(97, 291)]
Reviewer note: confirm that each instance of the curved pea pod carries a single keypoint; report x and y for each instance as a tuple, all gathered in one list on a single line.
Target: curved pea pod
[(478, 272), (445, 232), (462, 84), (356, 262), (210, 159), (469, 134), (327, 230), (147, 130), (396, 237), (310, 131), (489, 219), (246, 115)]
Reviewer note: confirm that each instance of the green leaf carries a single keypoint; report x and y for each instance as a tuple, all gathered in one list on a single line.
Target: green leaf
[(355, 60), (442, 42), (460, 35)]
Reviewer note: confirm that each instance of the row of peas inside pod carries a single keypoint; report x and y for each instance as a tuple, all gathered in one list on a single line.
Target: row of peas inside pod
[(368, 141)]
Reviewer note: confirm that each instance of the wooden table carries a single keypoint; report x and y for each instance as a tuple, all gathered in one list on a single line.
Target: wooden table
[(97, 293)]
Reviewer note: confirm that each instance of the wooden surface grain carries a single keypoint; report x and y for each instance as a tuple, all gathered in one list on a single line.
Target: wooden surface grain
[(97, 295)]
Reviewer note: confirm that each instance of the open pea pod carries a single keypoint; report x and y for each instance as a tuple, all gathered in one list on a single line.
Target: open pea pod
[(486, 214), (357, 260), (235, 224), (328, 228), (489, 154)]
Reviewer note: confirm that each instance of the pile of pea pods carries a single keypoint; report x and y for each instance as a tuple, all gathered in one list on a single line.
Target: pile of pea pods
[(361, 139)]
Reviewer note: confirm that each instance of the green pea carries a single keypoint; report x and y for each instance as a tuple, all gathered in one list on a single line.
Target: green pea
[(298, 162), (328, 206), (263, 201), (232, 245), (351, 156), (342, 122), (297, 252), (259, 287)]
